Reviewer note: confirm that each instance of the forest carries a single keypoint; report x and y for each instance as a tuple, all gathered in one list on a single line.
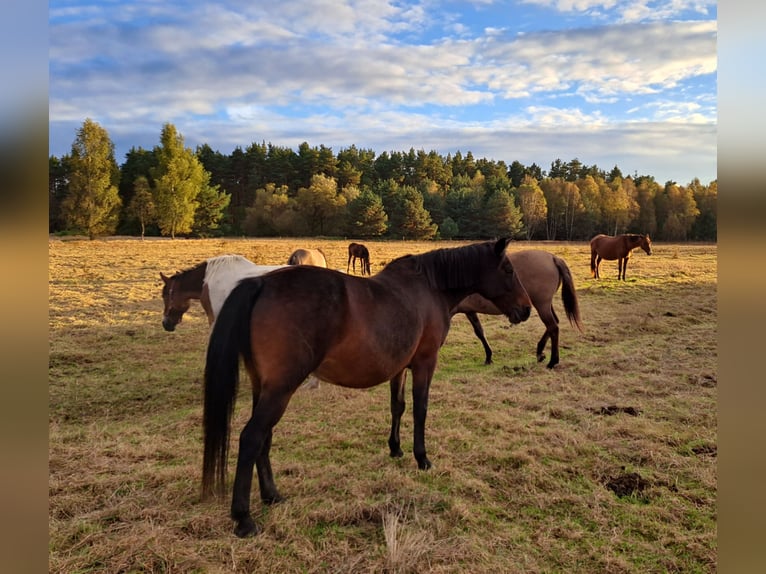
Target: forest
[(267, 190)]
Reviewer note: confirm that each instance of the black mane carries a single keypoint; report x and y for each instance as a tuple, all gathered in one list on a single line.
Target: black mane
[(451, 268)]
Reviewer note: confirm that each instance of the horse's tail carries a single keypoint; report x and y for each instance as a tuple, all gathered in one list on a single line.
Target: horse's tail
[(568, 293), (229, 339)]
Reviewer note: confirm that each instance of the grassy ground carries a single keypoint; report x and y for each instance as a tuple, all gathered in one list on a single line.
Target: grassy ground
[(606, 463)]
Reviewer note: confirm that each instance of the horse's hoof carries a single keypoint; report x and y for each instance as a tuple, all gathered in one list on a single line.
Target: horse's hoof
[(397, 453), (246, 528), (274, 499), (540, 358), (424, 464)]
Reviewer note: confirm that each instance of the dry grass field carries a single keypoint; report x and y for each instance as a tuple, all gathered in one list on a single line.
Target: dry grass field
[(606, 463)]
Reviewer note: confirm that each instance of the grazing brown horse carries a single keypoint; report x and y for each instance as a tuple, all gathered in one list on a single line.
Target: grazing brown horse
[(308, 257), (358, 251), (303, 319), (541, 273), (617, 247)]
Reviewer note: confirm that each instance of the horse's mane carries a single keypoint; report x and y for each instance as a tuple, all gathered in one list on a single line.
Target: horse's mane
[(449, 268), (190, 269), (215, 263)]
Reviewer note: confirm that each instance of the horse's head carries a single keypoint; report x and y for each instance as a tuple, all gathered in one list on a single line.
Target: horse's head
[(176, 303), (504, 288), (646, 244)]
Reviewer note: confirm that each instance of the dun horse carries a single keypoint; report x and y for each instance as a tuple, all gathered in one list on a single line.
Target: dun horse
[(308, 257), (541, 273), (358, 251), (617, 247), (305, 319)]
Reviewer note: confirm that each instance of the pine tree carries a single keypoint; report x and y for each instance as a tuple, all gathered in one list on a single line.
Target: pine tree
[(366, 216)]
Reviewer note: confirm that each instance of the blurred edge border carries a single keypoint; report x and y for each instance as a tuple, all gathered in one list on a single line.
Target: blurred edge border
[(23, 234), (741, 289), (742, 274)]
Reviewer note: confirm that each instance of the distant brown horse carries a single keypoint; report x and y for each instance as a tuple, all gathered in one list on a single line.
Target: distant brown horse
[(355, 332), (358, 251), (308, 257), (617, 247), (541, 273)]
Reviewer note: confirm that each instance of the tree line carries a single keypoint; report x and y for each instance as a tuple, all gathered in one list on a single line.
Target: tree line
[(267, 190)]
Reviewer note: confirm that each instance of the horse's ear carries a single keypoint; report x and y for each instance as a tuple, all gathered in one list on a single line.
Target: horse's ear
[(164, 277), (500, 245)]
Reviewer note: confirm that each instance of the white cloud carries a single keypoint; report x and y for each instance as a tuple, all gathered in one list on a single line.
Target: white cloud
[(341, 72)]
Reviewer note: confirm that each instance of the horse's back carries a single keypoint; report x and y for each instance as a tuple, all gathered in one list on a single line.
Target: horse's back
[(308, 257), (225, 272), (337, 318), (598, 239), (538, 272), (608, 246)]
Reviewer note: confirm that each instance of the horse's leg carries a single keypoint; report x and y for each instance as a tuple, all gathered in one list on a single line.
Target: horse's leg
[(349, 262), (625, 266), (479, 332), (254, 447), (553, 332), (551, 321), (398, 383), (599, 259), (422, 371), (593, 268), (266, 485), (619, 268)]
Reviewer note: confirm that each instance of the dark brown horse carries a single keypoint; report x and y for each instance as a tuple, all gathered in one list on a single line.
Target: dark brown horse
[(617, 247), (358, 251), (303, 319), (541, 273)]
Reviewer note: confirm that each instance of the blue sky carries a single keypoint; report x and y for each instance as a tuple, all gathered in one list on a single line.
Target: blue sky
[(631, 83)]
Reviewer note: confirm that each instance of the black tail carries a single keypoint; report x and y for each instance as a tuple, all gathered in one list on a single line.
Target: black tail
[(230, 339), (568, 293)]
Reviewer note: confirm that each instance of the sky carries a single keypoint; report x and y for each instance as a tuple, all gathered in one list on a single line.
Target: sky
[(626, 83)]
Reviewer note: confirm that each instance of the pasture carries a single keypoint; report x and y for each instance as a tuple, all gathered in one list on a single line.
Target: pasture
[(606, 463)]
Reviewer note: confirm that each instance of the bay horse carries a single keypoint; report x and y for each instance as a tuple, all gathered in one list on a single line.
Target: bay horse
[(308, 257), (616, 247), (304, 319), (209, 282), (358, 251), (542, 274)]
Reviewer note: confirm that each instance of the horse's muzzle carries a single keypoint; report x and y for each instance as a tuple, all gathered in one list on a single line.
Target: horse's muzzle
[(168, 325), (520, 315)]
